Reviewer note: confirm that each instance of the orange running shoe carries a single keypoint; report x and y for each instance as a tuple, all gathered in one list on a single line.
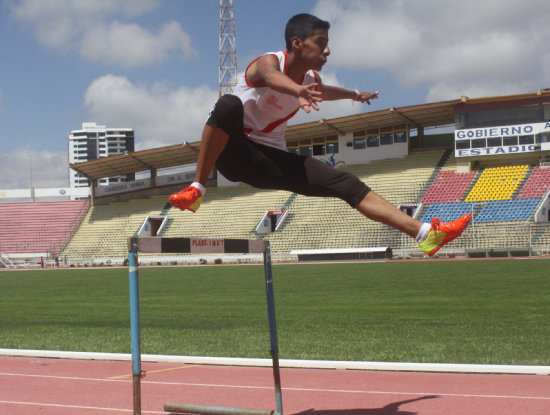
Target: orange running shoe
[(443, 233), (189, 198)]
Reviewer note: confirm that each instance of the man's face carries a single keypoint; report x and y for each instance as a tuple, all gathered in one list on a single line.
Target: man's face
[(315, 49)]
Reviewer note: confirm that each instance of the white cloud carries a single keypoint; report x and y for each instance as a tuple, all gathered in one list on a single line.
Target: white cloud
[(452, 48), (49, 169), (94, 29), (159, 115), (131, 45)]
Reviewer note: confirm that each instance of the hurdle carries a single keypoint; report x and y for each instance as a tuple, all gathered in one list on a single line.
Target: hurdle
[(154, 244)]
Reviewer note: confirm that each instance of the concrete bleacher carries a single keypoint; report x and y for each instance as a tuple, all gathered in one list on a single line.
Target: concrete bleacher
[(325, 223), (38, 228), (227, 212), (104, 231)]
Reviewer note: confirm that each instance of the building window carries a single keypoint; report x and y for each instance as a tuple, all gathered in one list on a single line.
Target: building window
[(305, 150), (400, 137), (332, 148), (527, 139), (359, 143), (479, 143), (373, 141), (319, 150), (386, 139), (494, 142), (462, 144), (510, 141)]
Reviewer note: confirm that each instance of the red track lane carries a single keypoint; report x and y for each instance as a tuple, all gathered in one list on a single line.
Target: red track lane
[(30, 386)]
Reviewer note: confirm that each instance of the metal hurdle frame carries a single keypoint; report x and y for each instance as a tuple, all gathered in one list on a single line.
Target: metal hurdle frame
[(199, 245)]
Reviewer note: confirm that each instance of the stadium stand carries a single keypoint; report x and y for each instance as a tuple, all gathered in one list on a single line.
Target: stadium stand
[(507, 210), (448, 212), (497, 183), (105, 229), (39, 228), (449, 186), (537, 184), (227, 212), (324, 223)]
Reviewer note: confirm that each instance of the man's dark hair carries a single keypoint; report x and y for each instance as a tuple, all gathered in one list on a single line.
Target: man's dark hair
[(302, 26)]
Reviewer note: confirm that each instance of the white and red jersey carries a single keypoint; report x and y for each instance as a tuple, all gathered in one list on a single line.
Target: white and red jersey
[(267, 111)]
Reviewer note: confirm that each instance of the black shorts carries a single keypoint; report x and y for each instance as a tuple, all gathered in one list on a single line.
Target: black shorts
[(265, 167)]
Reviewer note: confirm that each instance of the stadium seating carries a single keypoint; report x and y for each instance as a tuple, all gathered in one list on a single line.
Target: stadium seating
[(448, 212), (319, 223), (448, 186), (537, 184), (105, 230), (497, 183), (38, 227), (230, 212), (507, 210)]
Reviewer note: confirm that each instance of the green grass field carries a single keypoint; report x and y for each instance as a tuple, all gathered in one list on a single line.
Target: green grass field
[(495, 311)]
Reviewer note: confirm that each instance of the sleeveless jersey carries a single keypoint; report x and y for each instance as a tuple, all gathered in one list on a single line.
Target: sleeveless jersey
[(267, 111)]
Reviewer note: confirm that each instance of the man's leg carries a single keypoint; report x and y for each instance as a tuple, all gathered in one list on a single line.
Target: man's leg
[(213, 143), (430, 237), (379, 209), (225, 120)]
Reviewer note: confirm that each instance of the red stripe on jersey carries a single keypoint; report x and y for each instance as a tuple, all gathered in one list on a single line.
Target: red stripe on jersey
[(270, 127)]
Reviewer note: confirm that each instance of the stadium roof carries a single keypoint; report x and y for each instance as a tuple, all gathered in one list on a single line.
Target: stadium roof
[(416, 116), (126, 163), (424, 115)]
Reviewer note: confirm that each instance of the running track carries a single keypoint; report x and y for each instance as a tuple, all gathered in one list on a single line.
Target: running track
[(30, 386)]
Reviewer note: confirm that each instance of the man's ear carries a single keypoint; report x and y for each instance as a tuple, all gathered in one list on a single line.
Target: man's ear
[(297, 43)]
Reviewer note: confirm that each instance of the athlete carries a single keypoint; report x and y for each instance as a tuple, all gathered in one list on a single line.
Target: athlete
[(244, 136)]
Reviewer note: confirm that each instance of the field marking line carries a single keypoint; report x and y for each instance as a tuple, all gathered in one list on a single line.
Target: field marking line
[(294, 389), (95, 408), (151, 371)]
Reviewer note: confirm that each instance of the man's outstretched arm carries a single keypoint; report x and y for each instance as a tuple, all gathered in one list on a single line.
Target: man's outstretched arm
[(332, 93)]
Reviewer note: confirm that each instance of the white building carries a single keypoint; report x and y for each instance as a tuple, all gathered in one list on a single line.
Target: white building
[(97, 141)]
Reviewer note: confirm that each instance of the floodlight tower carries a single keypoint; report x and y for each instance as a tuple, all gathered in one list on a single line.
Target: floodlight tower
[(228, 51)]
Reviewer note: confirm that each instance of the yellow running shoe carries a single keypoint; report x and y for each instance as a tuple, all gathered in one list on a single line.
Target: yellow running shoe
[(189, 198), (443, 233)]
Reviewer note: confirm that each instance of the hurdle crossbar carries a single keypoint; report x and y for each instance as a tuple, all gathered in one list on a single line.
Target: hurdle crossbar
[(212, 410), (199, 245)]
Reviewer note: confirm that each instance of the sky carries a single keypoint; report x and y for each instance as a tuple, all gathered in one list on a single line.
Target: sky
[(152, 65)]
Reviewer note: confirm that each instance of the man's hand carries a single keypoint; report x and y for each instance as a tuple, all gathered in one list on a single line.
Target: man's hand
[(366, 96), (308, 96)]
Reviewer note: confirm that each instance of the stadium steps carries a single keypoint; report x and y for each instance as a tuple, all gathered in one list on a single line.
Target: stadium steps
[(478, 174), (523, 182)]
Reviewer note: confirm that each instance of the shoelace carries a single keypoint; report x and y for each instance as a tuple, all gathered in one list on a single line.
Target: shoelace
[(435, 223)]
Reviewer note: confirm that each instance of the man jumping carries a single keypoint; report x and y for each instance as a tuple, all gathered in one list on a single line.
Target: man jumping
[(244, 136)]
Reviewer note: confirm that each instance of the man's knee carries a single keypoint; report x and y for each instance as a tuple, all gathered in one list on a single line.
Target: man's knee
[(227, 114)]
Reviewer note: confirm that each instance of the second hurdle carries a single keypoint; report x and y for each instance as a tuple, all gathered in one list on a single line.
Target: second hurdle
[(160, 245)]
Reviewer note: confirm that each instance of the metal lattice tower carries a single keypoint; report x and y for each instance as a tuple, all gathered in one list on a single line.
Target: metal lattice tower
[(228, 50)]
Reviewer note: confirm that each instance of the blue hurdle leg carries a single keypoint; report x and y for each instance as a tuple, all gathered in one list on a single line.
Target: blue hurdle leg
[(272, 328), (137, 374)]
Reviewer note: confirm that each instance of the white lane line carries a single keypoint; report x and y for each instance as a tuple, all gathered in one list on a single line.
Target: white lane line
[(95, 408), (295, 389)]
